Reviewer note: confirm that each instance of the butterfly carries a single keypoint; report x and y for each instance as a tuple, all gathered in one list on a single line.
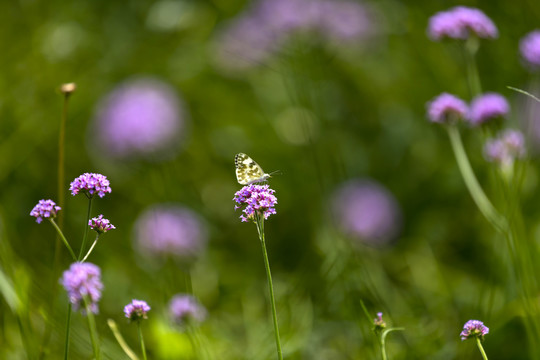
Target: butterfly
[(248, 171)]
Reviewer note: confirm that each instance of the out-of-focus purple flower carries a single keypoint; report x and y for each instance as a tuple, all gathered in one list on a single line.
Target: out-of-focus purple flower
[(170, 230), (529, 47), (255, 198), (90, 184), (461, 22), (366, 210), (447, 108), (505, 148), (136, 310), (186, 309), (472, 329), (268, 24), (140, 117), (379, 323), (83, 280), (487, 107), (45, 209), (100, 224)]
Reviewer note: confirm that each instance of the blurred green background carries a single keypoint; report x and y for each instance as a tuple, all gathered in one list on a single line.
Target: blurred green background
[(320, 114)]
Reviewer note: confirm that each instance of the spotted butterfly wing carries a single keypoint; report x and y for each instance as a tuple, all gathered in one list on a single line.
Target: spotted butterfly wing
[(248, 171)]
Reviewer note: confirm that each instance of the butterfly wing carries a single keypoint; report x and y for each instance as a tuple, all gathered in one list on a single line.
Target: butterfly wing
[(247, 170)]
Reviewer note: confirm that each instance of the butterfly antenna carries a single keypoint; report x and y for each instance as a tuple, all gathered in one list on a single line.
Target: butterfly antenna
[(278, 172)]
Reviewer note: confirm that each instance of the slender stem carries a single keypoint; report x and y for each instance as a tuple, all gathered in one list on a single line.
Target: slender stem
[(86, 227), (383, 349), (68, 326), (260, 229), (484, 205), (92, 328), (91, 248), (471, 47), (61, 234), (121, 341), (143, 349), (479, 343), (61, 162)]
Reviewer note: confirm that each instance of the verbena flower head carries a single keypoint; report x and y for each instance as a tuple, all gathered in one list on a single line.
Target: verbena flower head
[(45, 209), (267, 25), (508, 146), (472, 329), (529, 46), (255, 198), (136, 310), (100, 224), (186, 309), (461, 22), (140, 117), (488, 106), (173, 230), (83, 280), (447, 108), (90, 184), (365, 210), (379, 323)]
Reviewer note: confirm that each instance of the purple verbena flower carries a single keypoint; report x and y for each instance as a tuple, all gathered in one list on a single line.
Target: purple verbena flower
[(529, 47), (185, 309), (45, 209), (173, 230), (379, 323), (90, 184), (83, 280), (136, 310), (365, 210), (447, 108), (487, 107), (263, 29), (257, 199), (100, 224), (461, 22), (505, 148), (472, 329), (140, 117)]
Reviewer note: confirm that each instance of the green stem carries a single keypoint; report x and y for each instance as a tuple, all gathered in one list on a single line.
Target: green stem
[(91, 248), (86, 227), (68, 326), (471, 47), (92, 328), (141, 340), (383, 339), (120, 340), (478, 195), (479, 343), (61, 234), (260, 229)]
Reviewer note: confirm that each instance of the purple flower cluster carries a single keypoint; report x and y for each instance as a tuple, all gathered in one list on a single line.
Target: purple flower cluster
[(140, 117), (366, 210), (379, 322), (170, 230), (185, 309), (508, 146), (264, 28), (100, 224), (461, 22), (529, 47), (487, 107), (447, 108), (255, 198), (90, 184), (83, 280), (45, 209), (474, 328), (136, 310)]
